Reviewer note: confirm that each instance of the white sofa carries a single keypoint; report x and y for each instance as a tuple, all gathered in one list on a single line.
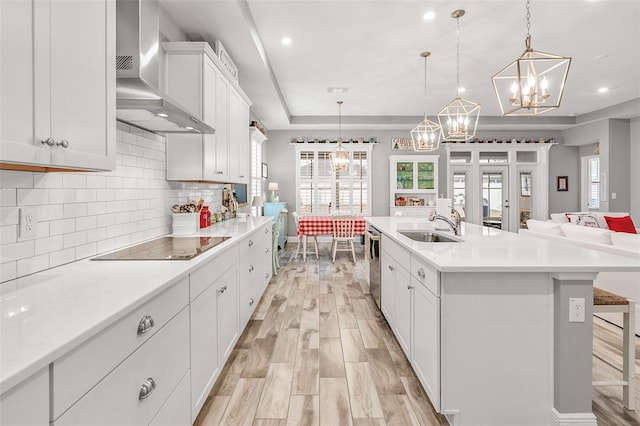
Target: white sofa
[(626, 284)]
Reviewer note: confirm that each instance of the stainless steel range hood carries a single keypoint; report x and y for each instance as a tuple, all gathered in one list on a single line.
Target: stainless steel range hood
[(139, 100)]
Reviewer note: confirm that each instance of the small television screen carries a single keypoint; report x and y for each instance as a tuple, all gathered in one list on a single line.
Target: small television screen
[(241, 193)]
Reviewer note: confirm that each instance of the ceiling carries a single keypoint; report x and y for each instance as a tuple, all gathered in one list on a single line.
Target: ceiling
[(372, 47)]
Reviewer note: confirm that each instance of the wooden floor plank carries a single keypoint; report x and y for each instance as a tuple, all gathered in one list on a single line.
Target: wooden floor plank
[(334, 402), (362, 391), (243, 402), (398, 410), (352, 346), (304, 410), (274, 401), (306, 375), (286, 346), (384, 373), (347, 317), (331, 361), (213, 410)]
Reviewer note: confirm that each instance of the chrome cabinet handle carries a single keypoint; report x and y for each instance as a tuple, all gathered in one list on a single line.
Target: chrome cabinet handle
[(250, 243), (250, 268), (146, 324), (221, 290), (421, 273), (147, 388), (251, 302), (48, 141), (63, 143), (409, 287), (391, 268)]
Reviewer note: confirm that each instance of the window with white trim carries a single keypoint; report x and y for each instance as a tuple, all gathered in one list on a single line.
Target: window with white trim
[(594, 182), (256, 174), (322, 190)]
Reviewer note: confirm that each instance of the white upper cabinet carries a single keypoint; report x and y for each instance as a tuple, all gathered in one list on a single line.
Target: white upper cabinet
[(195, 79), (58, 88)]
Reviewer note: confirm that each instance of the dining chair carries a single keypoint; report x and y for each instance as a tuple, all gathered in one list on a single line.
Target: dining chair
[(274, 241), (343, 232), (296, 218)]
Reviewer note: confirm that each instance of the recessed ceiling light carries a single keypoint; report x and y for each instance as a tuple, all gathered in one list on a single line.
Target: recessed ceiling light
[(461, 89), (337, 89), (603, 90), (188, 127), (162, 114), (429, 15), (286, 41), (595, 58)]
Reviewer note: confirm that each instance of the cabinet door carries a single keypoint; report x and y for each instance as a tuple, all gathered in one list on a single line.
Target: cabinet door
[(82, 44), (204, 346), (425, 173), (228, 330), (426, 341), (403, 316), (17, 65), (28, 402), (209, 92), (222, 129), (238, 138), (250, 274), (388, 291)]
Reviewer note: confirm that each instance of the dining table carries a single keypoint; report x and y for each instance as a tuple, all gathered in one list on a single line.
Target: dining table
[(312, 225)]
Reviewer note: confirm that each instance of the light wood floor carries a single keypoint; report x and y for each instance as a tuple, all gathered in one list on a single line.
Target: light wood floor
[(317, 351)]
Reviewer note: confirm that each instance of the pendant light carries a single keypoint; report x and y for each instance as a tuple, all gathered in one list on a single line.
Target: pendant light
[(340, 157), (427, 134), (459, 119), (532, 84)]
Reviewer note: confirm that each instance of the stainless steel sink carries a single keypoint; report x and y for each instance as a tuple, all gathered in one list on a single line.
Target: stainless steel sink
[(428, 237)]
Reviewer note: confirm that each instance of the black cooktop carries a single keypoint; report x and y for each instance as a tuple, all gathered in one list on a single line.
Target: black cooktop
[(165, 248)]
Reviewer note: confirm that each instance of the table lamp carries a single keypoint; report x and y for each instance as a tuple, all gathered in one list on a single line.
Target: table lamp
[(257, 202), (273, 187)]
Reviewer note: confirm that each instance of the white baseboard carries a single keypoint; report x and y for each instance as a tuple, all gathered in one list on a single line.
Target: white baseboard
[(573, 419)]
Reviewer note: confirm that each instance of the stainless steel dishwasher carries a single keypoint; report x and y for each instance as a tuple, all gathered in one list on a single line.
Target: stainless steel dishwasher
[(373, 251)]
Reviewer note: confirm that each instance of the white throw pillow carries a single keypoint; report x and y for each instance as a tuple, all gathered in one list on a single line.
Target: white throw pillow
[(583, 219), (544, 227), (558, 218), (587, 234), (626, 241)]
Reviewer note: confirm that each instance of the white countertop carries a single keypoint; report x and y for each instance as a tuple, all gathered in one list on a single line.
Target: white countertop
[(46, 314), (484, 249)]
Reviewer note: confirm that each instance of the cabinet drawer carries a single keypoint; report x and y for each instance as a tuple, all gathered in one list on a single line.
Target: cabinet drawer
[(425, 274), (176, 410), (159, 364), (202, 278), (77, 372), (254, 239), (395, 250)]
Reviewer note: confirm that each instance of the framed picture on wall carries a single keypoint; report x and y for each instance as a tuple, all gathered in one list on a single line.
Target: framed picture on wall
[(525, 184), (563, 183), (265, 170)]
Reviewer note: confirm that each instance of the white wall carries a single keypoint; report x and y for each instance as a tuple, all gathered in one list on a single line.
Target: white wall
[(83, 214), (634, 172)]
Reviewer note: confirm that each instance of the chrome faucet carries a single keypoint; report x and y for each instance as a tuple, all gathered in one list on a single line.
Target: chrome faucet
[(455, 226)]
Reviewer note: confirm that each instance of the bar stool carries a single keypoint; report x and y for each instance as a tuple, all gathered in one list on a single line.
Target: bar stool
[(604, 301)]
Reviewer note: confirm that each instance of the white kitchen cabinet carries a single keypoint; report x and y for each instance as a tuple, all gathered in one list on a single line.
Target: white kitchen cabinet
[(413, 184), (239, 138), (214, 331), (404, 310), (218, 101), (176, 410), (388, 288), (58, 89), (255, 270), (426, 340), (28, 402), (137, 389)]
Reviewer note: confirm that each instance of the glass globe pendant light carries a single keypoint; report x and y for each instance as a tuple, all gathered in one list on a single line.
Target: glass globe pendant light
[(340, 157), (459, 119), (426, 135), (532, 84)]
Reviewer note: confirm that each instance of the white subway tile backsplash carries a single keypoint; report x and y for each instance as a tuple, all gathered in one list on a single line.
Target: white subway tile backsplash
[(8, 197), (32, 197), (75, 210), (74, 180), (61, 257), (49, 244), (17, 251), (32, 265), (61, 227), (84, 214), (16, 179), (47, 180), (9, 234)]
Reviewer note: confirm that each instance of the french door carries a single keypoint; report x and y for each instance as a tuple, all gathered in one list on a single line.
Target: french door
[(494, 187)]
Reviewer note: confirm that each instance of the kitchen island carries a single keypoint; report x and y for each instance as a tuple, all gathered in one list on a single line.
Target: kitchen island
[(485, 321)]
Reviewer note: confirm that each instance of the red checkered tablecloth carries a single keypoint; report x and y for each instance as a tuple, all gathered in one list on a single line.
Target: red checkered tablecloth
[(322, 225)]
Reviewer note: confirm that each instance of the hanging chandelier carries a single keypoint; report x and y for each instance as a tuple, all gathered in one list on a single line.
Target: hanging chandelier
[(532, 84), (340, 157), (427, 134), (459, 119)]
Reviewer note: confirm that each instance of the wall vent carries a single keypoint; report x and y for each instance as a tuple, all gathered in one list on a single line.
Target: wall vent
[(124, 62)]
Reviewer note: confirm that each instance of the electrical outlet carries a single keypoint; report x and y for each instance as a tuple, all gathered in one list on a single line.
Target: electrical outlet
[(576, 309), (28, 223), (614, 195)]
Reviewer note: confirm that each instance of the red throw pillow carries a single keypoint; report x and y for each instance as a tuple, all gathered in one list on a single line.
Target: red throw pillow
[(621, 224)]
